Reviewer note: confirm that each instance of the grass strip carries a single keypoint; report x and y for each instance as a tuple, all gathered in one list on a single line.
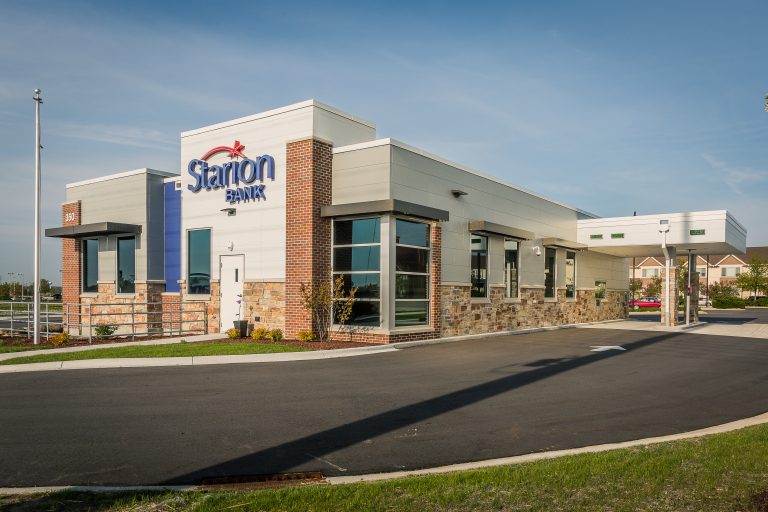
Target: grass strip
[(724, 472), (21, 348), (170, 350)]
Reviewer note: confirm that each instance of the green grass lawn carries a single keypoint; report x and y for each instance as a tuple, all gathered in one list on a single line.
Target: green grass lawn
[(171, 350), (21, 348), (726, 472)]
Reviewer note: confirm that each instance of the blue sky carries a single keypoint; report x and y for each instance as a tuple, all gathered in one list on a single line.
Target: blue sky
[(612, 107)]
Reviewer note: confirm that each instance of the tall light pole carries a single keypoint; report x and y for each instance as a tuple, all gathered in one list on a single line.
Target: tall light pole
[(36, 282), (13, 285)]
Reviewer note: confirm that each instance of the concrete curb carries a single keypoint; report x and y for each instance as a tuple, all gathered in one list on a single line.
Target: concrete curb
[(149, 362), (467, 466), (532, 457)]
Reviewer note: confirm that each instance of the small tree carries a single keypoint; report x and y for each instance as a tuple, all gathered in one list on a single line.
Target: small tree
[(682, 277), (320, 301), (635, 285), (654, 287), (755, 279), (343, 302)]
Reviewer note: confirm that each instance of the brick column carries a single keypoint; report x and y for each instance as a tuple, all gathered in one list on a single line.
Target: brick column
[(70, 263), (308, 236), (436, 306)]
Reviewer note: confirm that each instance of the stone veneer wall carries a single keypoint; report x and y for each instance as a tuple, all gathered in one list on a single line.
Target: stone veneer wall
[(143, 307), (265, 300), (673, 292), (462, 315)]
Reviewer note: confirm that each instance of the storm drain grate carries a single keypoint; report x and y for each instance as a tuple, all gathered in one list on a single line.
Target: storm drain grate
[(268, 481)]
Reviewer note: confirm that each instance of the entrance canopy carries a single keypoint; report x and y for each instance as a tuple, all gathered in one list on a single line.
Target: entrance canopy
[(95, 229), (711, 232)]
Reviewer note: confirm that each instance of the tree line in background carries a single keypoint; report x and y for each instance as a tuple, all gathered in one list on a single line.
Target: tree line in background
[(723, 294), (15, 290)]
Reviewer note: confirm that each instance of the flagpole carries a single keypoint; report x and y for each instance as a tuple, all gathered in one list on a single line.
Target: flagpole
[(36, 282)]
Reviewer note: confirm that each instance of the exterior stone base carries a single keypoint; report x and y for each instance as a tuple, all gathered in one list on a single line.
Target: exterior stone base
[(265, 301), (140, 312), (462, 315)]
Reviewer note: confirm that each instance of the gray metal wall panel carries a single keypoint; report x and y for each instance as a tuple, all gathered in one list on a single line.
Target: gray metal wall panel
[(122, 199)]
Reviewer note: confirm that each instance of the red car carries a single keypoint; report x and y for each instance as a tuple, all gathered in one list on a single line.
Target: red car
[(645, 302)]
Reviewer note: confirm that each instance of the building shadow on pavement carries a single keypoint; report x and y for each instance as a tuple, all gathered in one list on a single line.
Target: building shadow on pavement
[(291, 455)]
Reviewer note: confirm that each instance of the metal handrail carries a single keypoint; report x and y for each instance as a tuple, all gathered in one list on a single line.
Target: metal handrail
[(146, 318)]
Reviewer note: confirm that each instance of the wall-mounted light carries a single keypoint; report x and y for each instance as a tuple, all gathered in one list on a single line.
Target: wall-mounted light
[(230, 245), (536, 250), (231, 212), (458, 193)]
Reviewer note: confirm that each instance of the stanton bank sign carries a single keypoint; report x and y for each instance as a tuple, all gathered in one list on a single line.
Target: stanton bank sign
[(232, 174)]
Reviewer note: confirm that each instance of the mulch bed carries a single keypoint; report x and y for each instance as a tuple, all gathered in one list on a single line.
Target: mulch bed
[(14, 341), (312, 345)]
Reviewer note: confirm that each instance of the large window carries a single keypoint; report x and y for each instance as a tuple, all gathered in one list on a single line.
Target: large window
[(600, 287), (199, 262), (411, 273), (511, 262), (550, 256), (730, 271), (479, 266), (357, 256), (90, 265), (650, 272), (126, 265), (570, 275)]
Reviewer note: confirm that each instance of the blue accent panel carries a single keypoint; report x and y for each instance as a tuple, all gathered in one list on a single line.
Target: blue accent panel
[(172, 221)]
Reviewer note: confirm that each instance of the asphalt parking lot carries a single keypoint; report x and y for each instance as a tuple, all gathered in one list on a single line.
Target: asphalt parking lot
[(414, 408)]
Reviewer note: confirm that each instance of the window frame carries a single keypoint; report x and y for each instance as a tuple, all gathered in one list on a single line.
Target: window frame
[(210, 262), (380, 272), (427, 274), (83, 261), (118, 291), (575, 275), (553, 297), (487, 267), (517, 251)]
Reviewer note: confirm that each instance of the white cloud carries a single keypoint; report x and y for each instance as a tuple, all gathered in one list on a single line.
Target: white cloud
[(735, 176), (115, 134)]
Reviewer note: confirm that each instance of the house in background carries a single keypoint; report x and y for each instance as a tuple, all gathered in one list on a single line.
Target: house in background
[(711, 269)]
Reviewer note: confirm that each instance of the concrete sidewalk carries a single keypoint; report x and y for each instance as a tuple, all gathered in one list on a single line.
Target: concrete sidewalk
[(233, 359), (641, 325)]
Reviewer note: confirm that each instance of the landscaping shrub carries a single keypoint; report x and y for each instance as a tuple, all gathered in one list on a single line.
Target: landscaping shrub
[(104, 330), (60, 339), (729, 303), (722, 291), (275, 335), (233, 333), (761, 302), (306, 336), (260, 333)]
